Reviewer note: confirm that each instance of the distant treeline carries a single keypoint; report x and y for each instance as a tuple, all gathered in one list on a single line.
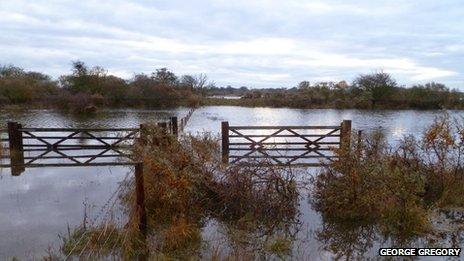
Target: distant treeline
[(86, 88), (370, 91)]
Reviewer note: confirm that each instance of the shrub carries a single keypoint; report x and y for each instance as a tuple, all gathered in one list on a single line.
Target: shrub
[(186, 183), (395, 187)]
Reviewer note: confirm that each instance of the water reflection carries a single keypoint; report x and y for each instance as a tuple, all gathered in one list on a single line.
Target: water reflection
[(39, 204), (346, 240)]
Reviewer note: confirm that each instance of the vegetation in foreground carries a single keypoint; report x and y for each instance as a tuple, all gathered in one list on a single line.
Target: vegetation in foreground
[(375, 190), (86, 89), (186, 187), (396, 188)]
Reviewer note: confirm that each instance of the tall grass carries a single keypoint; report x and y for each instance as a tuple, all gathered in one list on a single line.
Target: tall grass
[(397, 186), (185, 186)]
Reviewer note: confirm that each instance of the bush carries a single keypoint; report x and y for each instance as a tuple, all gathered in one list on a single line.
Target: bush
[(186, 184), (19, 86), (395, 187)]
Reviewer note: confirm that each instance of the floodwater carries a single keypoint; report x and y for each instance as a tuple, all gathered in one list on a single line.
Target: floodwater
[(40, 204)]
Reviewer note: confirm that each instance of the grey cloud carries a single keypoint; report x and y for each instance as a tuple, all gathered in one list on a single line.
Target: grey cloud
[(256, 43)]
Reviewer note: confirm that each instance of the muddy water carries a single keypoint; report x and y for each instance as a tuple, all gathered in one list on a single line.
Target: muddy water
[(41, 203)]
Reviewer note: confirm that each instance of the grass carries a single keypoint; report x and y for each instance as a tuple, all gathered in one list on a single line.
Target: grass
[(395, 188), (89, 240), (374, 188), (185, 186), (280, 246)]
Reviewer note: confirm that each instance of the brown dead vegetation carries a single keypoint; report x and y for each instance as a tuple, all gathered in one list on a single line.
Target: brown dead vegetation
[(186, 185), (395, 187)]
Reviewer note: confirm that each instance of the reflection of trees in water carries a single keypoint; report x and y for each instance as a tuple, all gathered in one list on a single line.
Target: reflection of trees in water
[(449, 225), (251, 239), (353, 240), (186, 185), (348, 240), (257, 208)]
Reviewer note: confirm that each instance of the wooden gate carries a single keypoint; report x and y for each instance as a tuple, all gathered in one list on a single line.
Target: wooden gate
[(78, 147), (283, 145), (74, 147)]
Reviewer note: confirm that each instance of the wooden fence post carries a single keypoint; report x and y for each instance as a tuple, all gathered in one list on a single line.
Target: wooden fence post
[(174, 126), (141, 211), (358, 145), (164, 126), (345, 134), (225, 141), (143, 133), (15, 139)]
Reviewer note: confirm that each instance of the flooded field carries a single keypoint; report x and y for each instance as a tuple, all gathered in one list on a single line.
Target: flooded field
[(40, 204)]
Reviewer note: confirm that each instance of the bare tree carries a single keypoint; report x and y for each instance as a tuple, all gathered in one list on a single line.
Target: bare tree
[(200, 81)]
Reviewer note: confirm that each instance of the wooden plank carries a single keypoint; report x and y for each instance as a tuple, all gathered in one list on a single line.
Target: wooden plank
[(225, 141), (48, 144), (242, 135), (284, 149), (96, 138), (38, 157), (77, 129), (269, 156), (71, 138), (295, 165), (299, 136), (271, 135), (129, 136), (16, 148), (43, 148), (241, 156), (285, 157), (95, 164), (67, 157), (286, 143), (174, 126), (324, 136), (82, 156), (285, 136), (140, 199), (76, 146), (345, 132), (285, 127)]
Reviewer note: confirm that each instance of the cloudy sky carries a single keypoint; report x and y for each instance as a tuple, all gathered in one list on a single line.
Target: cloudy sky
[(256, 43)]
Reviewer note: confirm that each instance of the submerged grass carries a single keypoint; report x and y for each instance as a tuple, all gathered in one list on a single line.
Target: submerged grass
[(83, 239)]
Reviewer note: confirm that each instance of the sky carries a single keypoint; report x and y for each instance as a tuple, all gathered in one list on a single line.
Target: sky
[(255, 43)]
